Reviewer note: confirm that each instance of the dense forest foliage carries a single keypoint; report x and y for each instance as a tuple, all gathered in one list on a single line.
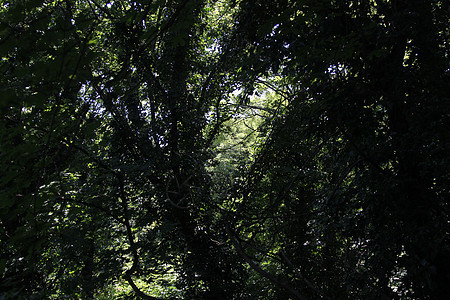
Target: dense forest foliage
[(224, 149)]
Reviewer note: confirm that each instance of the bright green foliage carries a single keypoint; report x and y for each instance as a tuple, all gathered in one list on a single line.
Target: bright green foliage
[(215, 149)]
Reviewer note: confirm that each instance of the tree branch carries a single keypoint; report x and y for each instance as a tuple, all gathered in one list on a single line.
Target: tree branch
[(258, 269)]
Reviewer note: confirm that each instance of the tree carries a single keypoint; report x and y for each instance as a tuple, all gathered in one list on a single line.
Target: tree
[(117, 151), (220, 149), (353, 194)]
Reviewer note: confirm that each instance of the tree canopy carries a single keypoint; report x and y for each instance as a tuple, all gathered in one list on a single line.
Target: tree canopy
[(222, 149)]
